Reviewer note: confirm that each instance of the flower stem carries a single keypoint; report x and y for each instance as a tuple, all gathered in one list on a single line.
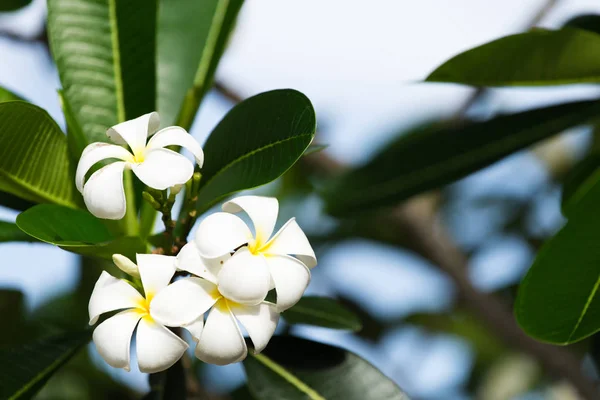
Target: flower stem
[(131, 226)]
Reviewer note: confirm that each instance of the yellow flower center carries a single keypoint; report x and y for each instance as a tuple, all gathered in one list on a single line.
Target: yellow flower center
[(143, 307), (259, 244)]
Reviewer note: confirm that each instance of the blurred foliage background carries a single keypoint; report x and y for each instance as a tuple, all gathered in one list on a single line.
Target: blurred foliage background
[(434, 278)]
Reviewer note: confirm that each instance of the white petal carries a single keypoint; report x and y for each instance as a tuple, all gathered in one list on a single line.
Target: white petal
[(111, 294), (94, 153), (113, 338), (196, 328), (291, 279), (220, 234), (261, 210), (221, 342), (126, 265), (156, 272), (134, 132), (163, 168), (183, 301), (157, 347), (260, 322), (189, 260), (291, 240), (245, 278), (103, 193), (177, 136)]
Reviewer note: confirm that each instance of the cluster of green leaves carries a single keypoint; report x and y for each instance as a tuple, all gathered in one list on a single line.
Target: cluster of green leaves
[(116, 61), (558, 301)]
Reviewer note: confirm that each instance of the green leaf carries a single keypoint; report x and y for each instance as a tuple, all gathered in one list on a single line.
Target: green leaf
[(437, 155), (12, 309), (291, 368), (25, 369), (579, 181), (77, 231), (10, 232), (588, 22), (322, 311), (14, 202), (6, 95), (256, 142), (63, 226), (34, 164), (538, 57), (558, 300), (191, 38), (13, 5), (105, 54)]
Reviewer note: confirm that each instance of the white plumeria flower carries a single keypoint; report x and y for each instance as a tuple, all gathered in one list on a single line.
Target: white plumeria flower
[(156, 166), (266, 263), (157, 347), (220, 340)]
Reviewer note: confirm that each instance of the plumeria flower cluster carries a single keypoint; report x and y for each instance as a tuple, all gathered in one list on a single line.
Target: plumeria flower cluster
[(150, 160), (229, 270)]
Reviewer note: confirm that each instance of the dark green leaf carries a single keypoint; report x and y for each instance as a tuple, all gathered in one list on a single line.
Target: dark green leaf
[(322, 311), (25, 369), (6, 95), (30, 138), (292, 368), (558, 300), (13, 5), (538, 57), (63, 226), (588, 22), (579, 181), (437, 155), (10, 232), (256, 142), (14, 202), (191, 38), (77, 231), (12, 311), (105, 54), (129, 246)]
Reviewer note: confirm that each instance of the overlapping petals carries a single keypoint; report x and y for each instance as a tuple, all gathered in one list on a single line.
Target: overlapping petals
[(154, 164), (282, 260), (157, 347), (220, 339)]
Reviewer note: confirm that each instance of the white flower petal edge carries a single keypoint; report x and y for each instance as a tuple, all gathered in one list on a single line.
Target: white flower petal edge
[(135, 131), (177, 136), (189, 260), (163, 168), (157, 347), (291, 278), (183, 302), (221, 233), (221, 342), (104, 195), (261, 210), (245, 278), (260, 322), (156, 166)]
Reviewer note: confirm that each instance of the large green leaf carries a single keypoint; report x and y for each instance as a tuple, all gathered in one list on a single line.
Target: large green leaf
[(25, 369), (579, 181), (10, 232), (538, 57), (558, 300), (77, 231), (12, 5), (322, 311), (63, 226), (34, 164), (191, 38), (588, 22), (256, 142), (292, 368), (6, 95), (437, 155), (105, 54)]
